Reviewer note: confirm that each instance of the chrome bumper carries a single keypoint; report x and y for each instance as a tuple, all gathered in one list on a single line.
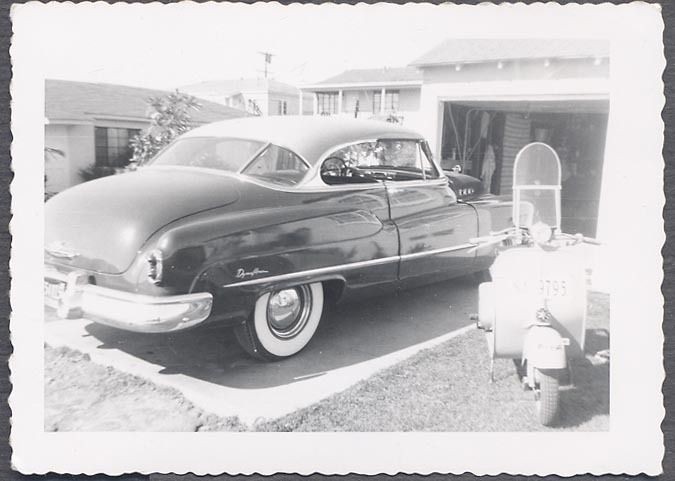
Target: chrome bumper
[(73, 296)]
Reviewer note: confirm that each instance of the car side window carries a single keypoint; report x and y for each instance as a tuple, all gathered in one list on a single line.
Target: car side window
[(278, 165), (352, 164), (407, 160), (386, 159)]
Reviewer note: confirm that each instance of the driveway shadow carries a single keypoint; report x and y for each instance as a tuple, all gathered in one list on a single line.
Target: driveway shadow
[(348, 334)]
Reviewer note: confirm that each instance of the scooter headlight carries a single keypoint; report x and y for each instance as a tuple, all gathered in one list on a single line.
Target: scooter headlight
[(541, 233)]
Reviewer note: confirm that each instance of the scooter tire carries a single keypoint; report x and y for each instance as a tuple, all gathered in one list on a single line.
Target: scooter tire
[(548, 396)]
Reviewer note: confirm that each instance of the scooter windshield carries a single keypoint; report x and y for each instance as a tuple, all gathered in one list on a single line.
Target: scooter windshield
[(536, 186)]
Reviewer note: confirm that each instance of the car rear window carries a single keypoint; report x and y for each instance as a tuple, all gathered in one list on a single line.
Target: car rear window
[(226, 154), (277, 165)]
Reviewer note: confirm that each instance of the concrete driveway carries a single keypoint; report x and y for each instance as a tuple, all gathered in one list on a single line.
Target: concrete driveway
[(352, 342)]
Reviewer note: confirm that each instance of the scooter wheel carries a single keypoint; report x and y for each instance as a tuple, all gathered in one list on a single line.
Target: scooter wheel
[(547, 396)]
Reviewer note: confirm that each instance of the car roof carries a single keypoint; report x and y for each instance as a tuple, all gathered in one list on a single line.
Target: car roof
[(308, 136)]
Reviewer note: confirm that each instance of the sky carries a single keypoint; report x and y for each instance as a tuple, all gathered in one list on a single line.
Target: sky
[(167, 46)]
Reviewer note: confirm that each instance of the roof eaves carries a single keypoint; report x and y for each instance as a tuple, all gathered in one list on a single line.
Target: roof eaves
[(129, 118), (67, 121), (356, 85), (439, 63)]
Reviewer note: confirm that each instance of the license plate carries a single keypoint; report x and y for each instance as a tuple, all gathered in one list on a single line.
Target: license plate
[(54, 291), (553, 287), (547, 288)]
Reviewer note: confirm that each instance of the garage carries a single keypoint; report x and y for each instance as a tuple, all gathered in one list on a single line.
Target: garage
[(484, 137), (482, 100)]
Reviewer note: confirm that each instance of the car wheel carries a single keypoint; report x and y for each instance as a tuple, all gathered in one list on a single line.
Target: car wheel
[(283, 322)]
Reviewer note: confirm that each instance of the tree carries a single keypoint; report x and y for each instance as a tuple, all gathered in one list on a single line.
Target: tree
[(170, 117)]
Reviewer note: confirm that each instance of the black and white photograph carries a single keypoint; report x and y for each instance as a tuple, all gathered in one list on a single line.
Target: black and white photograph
[(391, 232)]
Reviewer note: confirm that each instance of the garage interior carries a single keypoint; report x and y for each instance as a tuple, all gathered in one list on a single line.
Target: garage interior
[(483, 137)]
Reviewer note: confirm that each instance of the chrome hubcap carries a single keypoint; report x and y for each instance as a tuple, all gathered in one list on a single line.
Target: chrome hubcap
[(288, 311)]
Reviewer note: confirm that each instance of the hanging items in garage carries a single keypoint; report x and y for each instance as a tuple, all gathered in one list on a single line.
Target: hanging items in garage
[(516, 136)]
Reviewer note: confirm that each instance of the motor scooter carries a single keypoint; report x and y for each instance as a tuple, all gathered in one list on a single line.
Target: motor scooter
[(534, 309)]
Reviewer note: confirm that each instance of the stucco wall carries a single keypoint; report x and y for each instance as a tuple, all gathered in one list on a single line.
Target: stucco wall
[(292, 103), (77, 144), (409, 100), (82, 150)]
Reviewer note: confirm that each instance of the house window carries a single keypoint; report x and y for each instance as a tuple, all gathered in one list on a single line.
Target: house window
[(282, 107), (327, 103), (390, 100), (112, 146)]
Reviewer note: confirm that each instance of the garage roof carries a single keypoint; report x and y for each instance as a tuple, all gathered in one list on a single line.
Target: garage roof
[(66, 100), (454, 51)]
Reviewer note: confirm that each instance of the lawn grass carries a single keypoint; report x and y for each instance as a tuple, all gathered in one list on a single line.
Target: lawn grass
[(84, 396), (446, 388)]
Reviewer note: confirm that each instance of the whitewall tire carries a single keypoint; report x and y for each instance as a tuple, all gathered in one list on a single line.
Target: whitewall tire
[(283, 322)]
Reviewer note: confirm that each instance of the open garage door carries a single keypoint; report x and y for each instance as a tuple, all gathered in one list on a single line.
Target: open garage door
[(483, 137)]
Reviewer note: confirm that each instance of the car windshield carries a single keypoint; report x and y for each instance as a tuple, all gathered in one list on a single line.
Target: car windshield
[(226, 154)]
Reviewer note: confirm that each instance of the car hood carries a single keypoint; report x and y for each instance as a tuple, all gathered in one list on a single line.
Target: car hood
[(101, 225)]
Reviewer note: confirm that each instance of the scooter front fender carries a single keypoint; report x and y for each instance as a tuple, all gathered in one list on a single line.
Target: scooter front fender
[(544, 348)]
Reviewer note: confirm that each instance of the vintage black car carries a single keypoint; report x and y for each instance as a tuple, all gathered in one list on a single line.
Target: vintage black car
[(260, 223)]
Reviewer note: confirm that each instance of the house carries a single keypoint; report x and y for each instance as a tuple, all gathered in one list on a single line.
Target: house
[(91, 124), (258, 96), (479, 101), (370, 93)]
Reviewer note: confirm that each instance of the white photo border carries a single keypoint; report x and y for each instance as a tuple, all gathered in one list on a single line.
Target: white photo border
[(634, 443)]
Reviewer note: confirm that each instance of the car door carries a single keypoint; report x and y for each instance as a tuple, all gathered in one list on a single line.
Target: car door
[(355, 220), (433, 228)]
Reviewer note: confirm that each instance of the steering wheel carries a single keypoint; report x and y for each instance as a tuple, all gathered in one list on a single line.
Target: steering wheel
[(334, 167)]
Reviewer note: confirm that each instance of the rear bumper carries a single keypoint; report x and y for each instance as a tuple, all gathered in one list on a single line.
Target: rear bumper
[(72, 296)]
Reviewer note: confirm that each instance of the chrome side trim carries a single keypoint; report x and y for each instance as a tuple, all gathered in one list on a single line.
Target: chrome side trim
[(352, 265), (315, 272), (401, 184), (415, 255)]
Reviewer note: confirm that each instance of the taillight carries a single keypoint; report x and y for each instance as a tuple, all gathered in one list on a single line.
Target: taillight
[(155, 266)]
